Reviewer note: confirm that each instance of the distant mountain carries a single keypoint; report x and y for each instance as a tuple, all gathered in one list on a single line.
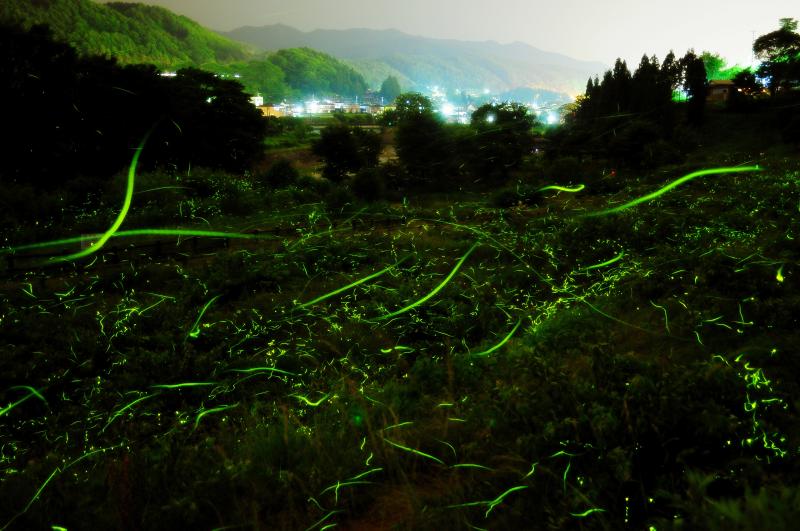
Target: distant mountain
[(136, 33), (421, 62), (133, 33)]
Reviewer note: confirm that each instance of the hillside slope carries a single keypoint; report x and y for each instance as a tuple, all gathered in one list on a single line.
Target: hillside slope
[(133, 33)]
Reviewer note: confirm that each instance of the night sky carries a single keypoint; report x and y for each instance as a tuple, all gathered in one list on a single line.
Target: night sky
[(584, 29)]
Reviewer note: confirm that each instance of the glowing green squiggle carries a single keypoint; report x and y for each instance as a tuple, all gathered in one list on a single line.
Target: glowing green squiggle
[(126, 205), (670, 186), (502, 342), (606, 263), (436, 290), (195, 331), (354, 284), (562, 188)]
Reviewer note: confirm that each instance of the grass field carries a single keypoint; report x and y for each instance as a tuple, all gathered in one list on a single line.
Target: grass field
[(431, 364)]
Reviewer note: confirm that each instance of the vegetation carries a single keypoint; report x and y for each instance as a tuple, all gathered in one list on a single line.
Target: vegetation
[(130, 32), (470, 336)]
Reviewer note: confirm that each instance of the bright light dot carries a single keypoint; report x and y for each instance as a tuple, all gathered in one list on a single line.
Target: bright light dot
[(448, 109), (552, 119), (491, 117)]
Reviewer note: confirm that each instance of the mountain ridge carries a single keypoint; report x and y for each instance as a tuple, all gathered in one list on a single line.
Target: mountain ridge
[(427, 61)]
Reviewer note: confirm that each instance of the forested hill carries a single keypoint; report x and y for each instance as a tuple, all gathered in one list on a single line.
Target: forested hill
[(137, 33), (132, 33)]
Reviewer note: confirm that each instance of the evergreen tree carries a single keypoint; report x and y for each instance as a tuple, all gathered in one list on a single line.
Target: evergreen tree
[(390, 89), (696, 86)]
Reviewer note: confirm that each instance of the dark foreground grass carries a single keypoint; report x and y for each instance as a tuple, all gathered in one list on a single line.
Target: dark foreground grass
[(485, 368)]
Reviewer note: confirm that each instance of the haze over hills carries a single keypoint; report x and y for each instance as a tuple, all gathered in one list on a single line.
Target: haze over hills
[(136, 33), (421, 62)]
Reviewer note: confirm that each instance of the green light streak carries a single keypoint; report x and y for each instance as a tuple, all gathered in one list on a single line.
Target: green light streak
[(213, 410), (666, 317), (320, 521), (587, 512), (195, 331), (182, 385), (779, 276), (670, 186), (497, 501), (308, 402), (502, 342), (354, 284), (336, 486), (96, 246), (472, 465), (436, 290), (606, 263), (263, 369), (56, 471), (31, 393), (398, 425), (563, 188), (123, 409), (140, 232), (368, 472), (414, 451)]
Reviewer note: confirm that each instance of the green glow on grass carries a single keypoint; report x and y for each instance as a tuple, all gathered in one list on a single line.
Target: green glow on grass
[(779, 276), (126, 205), (573, 190), (670, 186), (587, 512), (435, 290), (414, 451), (195, 331), (606, 263), (212, 410), (354, 284), (502, 342)]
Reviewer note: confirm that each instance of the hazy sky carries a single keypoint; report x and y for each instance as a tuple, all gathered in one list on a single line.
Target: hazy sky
[(599, 30)]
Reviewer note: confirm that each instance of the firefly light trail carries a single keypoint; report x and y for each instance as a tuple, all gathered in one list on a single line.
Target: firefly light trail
[(670, 186)]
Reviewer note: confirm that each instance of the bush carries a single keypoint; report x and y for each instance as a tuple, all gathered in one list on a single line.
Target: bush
[(282, 173), (369, 184)]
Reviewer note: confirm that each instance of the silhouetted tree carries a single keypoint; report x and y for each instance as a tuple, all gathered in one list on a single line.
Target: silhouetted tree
[(696, 86), (346, 150), (502, 138), (421, 139), (779, 52)]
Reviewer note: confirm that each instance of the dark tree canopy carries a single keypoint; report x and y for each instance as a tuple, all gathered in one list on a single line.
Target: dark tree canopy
[(346, 150), (76, 116), (779, 52), (502, 138)]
